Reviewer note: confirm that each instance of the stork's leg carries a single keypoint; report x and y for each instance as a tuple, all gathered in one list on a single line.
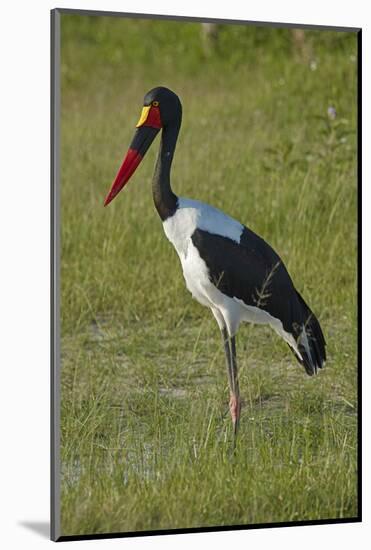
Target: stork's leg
[(235, 401), (234, 388), (227, 351)]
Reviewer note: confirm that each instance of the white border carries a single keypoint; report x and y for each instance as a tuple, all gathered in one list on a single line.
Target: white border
[(24, 219)]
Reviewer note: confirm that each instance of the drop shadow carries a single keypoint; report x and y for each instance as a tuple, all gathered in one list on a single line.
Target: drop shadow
[(42, 528)]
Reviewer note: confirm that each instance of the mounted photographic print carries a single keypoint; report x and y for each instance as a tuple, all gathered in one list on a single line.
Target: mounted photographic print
[(205, 367)]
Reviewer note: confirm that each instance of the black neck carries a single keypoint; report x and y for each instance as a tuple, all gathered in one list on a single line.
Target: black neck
[(165, 200)]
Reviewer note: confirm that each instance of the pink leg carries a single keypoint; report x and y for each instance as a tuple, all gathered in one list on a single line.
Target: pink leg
[(235, 410)]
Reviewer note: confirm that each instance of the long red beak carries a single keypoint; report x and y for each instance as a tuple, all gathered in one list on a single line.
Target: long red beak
[(127, 169), (143, 138)]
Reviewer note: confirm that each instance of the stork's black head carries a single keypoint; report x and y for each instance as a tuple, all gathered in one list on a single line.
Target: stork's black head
[(161, 109), (162, 106)]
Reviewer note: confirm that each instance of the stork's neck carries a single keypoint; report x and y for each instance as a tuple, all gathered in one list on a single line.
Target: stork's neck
[(165, 200)]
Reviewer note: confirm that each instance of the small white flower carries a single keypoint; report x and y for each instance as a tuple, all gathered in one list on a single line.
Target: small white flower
[(331, 111)]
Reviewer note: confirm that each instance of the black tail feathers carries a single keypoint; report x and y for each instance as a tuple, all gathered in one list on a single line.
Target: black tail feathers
[(310, 340)]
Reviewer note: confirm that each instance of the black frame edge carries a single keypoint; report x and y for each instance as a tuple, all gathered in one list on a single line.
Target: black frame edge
[(359, 264), (67, 538)]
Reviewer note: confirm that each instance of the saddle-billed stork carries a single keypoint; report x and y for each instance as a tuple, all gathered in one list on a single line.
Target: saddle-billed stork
[(226, 266)]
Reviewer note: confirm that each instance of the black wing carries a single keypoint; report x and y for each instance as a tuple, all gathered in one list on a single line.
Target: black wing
[(253, 272)]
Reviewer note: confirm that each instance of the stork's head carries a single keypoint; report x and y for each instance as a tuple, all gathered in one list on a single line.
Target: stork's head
[(161, 109), (162, 103)]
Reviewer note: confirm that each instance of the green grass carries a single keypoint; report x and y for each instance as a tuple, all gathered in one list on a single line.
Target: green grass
[(146, 438)]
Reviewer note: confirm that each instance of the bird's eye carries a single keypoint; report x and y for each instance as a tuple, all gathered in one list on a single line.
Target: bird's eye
[(155, 103)]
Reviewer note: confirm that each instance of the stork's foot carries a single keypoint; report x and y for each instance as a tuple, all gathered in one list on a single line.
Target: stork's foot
[(235, 410)]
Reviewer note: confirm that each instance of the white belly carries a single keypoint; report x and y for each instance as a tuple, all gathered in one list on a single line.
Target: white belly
[(196, 276)]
